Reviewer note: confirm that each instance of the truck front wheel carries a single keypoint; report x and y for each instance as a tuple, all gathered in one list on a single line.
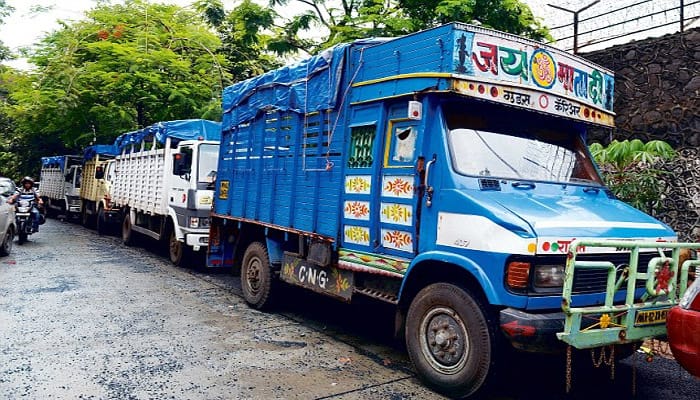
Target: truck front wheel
[(100, 223), (256, 276), (178, 251), (449, 340)]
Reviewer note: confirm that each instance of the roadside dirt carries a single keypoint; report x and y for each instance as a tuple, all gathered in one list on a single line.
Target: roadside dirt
[(83, 317)]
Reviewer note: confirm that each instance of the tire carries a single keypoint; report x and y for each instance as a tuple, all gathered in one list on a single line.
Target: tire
[(6, 246), (450, 341), (256, 276), (86, 219), (127, 232), (177, 251), (100, 223), (21, 237)]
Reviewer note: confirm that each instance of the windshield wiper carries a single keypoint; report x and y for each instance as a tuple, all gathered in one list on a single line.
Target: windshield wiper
[(496, 154)]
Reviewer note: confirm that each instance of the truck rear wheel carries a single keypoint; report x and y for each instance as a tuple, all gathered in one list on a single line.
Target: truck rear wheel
[(127, 232), (256, 276), (449, 340)]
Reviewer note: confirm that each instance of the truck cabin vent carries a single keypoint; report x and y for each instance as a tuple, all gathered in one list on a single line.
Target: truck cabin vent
[(489, 184)]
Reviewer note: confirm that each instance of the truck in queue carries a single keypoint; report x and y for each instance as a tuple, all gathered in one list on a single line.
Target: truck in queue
[(98, 210), (445, 172), (60, 178), (163, 183)]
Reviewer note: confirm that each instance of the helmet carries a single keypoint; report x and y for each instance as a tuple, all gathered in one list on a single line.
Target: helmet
[(27, 179)]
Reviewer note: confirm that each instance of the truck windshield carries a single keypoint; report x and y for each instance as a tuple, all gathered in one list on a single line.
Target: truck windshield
[(517, 146), (208, 157)]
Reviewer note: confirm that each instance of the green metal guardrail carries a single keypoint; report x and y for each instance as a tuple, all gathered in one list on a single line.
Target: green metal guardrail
[(638, 318)]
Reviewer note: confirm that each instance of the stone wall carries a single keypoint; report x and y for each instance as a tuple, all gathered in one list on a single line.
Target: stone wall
[(657, 96), (657, 89)]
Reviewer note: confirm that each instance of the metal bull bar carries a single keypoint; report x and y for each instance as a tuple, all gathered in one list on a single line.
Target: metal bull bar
[(643, 313)]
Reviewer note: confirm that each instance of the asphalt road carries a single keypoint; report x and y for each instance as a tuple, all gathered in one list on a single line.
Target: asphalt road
[(83, 317)]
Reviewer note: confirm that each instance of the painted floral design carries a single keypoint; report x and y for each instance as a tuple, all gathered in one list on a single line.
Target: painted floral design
[(397, 213), (398, 187), (341, 284), (357, 209), (398, 239), (357, 234), (357, 184)]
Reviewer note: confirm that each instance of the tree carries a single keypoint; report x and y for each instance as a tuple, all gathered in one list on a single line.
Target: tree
[(629, 170), (340, 21), (243, 36), (123, 67), (512, 16), (347, 20), (5, 10)]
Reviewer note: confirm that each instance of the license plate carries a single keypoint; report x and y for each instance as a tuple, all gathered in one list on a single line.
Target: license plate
[(651, 317)]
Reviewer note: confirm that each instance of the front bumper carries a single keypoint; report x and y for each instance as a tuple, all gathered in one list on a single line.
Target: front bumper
[(197, 240), (112, 215), (533, 332)]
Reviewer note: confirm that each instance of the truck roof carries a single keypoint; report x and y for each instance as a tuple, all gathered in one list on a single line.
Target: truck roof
[(107, 150), (186, 129), (456, 57), (59, 161)]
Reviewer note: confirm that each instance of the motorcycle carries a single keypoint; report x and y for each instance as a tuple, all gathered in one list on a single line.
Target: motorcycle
[(23, 216)]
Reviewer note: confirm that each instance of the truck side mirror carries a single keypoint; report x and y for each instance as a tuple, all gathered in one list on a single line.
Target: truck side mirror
[(182, 163), (99, 173)]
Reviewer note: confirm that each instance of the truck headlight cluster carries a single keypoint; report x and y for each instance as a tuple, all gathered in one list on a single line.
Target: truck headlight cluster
[(548, 276), (199, 222)]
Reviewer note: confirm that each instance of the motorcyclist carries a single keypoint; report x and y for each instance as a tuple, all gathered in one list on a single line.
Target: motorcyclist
[(27, 190)]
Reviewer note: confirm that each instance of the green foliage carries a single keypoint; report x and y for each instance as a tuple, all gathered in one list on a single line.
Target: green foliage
[(355, 19), (123, 67), (245, 41), (341, 21), (5, 11), (629, 170), (513, 16)]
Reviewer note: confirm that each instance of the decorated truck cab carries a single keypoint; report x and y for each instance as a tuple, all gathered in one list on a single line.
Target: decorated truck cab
[(445, 172), (98, 210)]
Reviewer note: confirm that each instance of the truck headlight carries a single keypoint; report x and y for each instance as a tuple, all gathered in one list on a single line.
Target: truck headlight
[(549, 276), (194, 222)]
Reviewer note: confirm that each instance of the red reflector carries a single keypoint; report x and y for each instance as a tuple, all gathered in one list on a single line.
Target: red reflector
[(518, 274), (513, 328)]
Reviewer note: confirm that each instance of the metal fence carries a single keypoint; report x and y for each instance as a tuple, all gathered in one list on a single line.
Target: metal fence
[(583, 26)]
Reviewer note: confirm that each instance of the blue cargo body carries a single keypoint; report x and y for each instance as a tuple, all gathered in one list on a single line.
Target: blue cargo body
[(440, 170)]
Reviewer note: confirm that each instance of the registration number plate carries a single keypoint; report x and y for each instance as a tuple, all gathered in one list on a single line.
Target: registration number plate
[(651, 317)]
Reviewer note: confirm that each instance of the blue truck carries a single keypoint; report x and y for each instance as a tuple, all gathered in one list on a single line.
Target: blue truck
[(445, 172)]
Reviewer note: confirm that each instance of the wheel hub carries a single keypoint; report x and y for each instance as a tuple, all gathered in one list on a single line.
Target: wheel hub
[(445, 341), (253, 275)]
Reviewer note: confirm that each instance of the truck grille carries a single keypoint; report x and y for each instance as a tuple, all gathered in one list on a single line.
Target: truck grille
[(594, 281)]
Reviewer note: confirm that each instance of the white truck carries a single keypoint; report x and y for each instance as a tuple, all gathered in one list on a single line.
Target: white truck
[(164, 181), (60, 185), (98, 209)]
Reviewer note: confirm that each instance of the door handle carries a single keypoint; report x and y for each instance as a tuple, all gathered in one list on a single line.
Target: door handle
[(429, 190)]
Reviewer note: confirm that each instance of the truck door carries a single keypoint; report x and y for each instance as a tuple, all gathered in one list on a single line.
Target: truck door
[(398, 200), (179, 182)]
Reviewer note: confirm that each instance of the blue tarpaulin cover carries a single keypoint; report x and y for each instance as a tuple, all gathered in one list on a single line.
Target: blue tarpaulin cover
[(109, 150), (60, 161), (56, 161), (186, 129)]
